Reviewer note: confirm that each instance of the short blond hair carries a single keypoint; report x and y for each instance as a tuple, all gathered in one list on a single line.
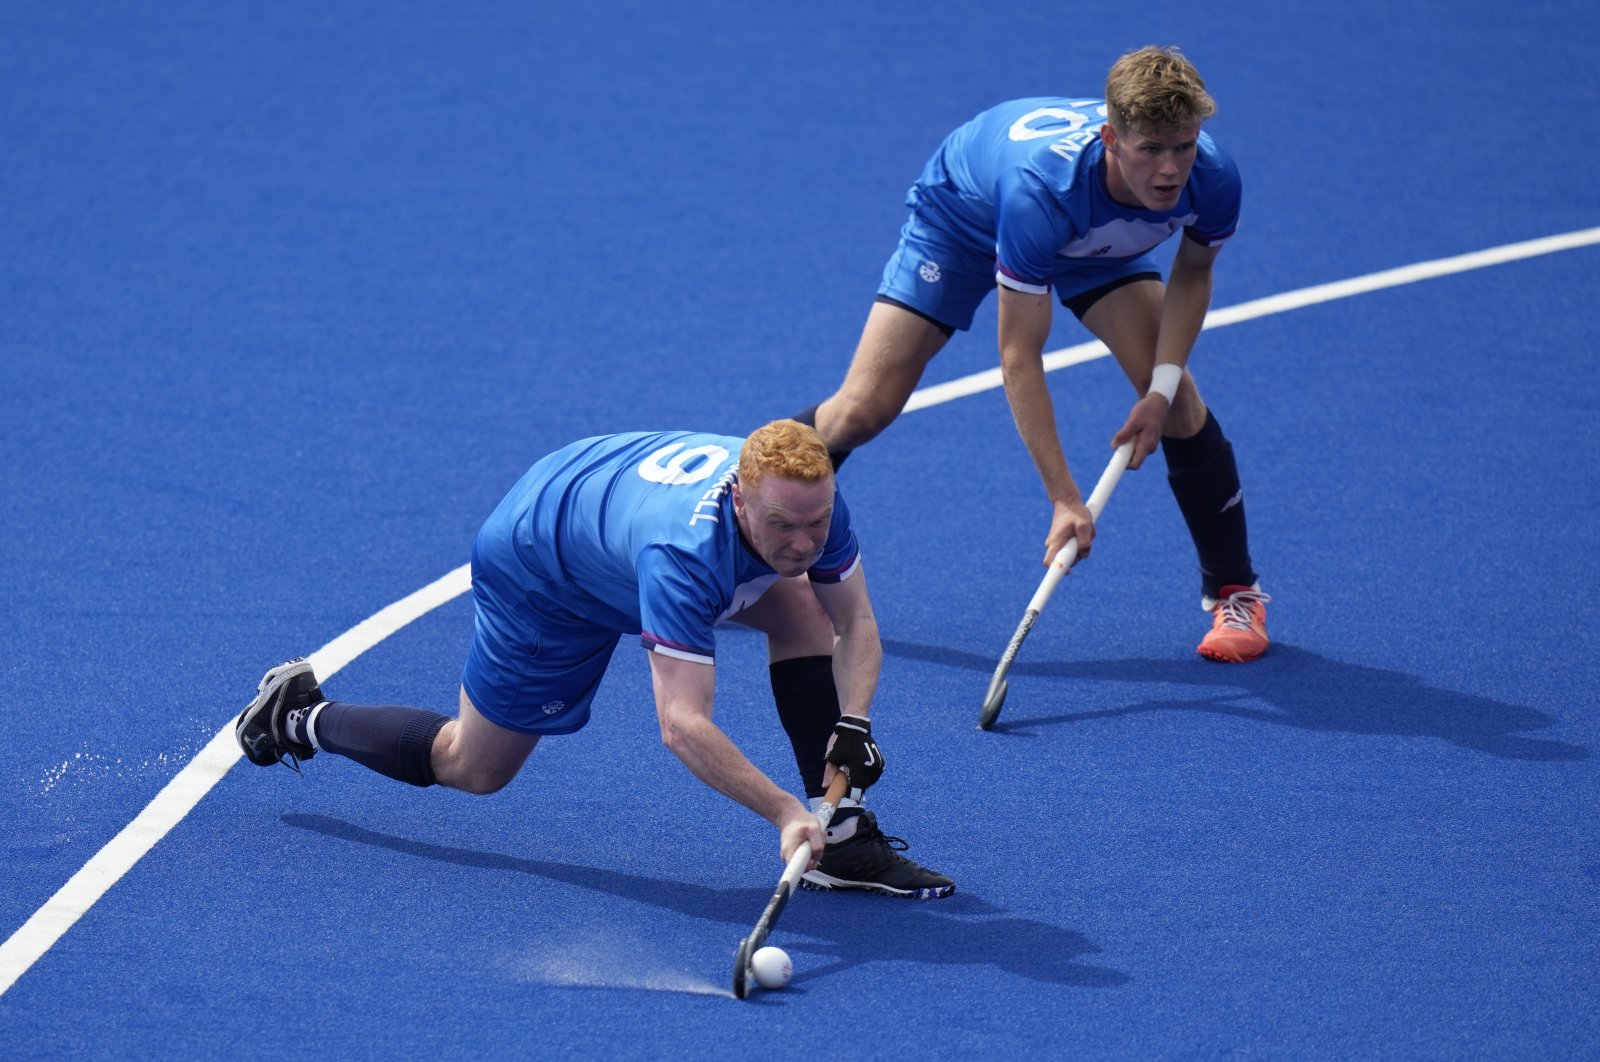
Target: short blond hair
[(787, 449), (1154, 91)]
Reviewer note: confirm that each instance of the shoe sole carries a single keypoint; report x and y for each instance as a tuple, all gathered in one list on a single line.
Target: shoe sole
[(1225, 658), (827, 883), (266, 691)]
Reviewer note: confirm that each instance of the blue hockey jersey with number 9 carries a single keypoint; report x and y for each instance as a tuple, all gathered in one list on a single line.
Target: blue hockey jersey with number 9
[(636, 533)]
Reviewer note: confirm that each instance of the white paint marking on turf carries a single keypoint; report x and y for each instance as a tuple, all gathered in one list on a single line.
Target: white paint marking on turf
[(937, 394), (40, 932), (73, 900)]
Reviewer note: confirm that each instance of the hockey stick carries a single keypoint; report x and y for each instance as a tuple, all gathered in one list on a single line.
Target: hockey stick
[(996, 695), (791, 875)]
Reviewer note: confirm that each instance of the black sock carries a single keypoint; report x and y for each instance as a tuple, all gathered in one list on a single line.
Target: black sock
[(1205, 480), (390, 739), (809, 418), (808, 707)]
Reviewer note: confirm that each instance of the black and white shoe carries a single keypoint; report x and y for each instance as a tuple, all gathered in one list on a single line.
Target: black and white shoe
[(869, 861), (260, 729)]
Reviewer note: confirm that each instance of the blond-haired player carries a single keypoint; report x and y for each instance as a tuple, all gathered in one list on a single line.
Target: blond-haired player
[(1070, 196)]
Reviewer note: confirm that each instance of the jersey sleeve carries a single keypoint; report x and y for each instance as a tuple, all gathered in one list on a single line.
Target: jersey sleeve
[(1218, 194), (677, 605), (1029, 229), (841, 554)]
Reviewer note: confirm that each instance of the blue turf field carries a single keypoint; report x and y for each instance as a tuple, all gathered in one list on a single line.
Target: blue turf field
[(294, 292)]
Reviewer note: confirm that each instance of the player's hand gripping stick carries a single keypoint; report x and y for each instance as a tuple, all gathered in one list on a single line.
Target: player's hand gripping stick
[(852, 749), (742, 975), (996, 695)]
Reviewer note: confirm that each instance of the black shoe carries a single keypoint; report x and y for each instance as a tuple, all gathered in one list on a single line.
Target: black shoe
[(260, 731), (870, 861)]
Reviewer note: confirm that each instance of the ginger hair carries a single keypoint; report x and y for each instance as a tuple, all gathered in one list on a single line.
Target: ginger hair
[(1153, 91), (787, 449)]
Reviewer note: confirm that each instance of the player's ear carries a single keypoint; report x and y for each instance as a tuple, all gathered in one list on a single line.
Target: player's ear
[(1108, 136)]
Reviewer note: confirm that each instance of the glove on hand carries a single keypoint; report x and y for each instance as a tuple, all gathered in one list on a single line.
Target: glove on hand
[(853, 751)]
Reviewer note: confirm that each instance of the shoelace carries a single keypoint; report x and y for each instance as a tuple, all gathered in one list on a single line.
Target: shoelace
[(894, 844), (1238, 610), (291, 761)]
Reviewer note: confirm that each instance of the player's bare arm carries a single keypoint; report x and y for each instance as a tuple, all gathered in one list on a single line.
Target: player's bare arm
[(684, 692), (1183, 315), (858, 652), (1183, 311), (857, 660), (1024, 329)]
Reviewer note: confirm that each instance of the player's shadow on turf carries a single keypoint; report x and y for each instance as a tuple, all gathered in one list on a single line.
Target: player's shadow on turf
[(1299, 687), (960, 930), (936, 933)]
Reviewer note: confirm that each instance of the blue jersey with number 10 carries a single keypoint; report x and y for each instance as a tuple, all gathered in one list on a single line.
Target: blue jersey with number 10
[(636, 532), (1025, 181)]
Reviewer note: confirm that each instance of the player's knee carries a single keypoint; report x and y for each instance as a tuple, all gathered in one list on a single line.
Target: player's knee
[(798, 625), (479, 779), (858, 418), (482, 781), (811, 639)]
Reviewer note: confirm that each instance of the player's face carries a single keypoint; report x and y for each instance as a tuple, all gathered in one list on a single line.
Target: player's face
[(1149, 170), (786, 521)]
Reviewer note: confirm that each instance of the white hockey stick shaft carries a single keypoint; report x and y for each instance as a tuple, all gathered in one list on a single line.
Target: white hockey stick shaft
[(1068, 554)]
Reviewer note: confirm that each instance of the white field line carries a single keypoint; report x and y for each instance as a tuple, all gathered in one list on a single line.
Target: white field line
[(169, 807), (73, 900), (1290, 300)]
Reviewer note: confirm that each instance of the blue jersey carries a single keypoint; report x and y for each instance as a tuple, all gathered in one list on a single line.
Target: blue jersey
[(636, 532), (1025, 181)]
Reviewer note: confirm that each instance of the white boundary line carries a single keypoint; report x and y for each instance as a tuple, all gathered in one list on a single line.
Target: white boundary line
[(73, 900), (1290, 300), (180, 796)]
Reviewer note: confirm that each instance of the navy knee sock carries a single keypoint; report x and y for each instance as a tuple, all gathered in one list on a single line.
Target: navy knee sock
[(808, 707), (1205, 480), (390, 739)]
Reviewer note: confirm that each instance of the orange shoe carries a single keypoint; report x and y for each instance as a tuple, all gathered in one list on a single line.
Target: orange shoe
[(1238, 625)]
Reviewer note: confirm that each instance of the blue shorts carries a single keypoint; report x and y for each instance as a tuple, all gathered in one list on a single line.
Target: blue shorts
[(944, 280), (533, 666)]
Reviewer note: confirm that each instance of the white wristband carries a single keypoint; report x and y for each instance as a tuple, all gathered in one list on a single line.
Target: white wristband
[(1164, 381)]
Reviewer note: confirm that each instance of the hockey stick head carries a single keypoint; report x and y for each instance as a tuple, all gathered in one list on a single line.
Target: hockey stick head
[(992, 704), (742, 975), (741, 969)]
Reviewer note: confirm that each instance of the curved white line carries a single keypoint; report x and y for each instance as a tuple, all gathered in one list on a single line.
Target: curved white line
[(73, 900), (169, 807)]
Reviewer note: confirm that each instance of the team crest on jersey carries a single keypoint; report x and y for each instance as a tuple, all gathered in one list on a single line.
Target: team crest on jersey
[(929, 271)]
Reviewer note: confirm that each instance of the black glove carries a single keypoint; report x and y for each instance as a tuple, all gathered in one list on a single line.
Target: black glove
[(853, 751)]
